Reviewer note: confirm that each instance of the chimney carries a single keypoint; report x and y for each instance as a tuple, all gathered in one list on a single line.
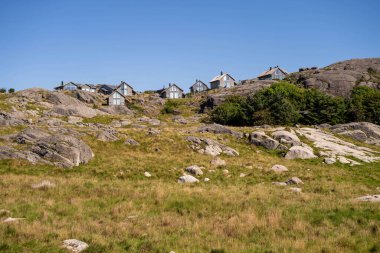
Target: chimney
[(270, 68), (221, 72), (61, 83)]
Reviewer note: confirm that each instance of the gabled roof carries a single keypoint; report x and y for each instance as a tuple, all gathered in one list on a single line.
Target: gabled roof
[(198, 81), (107, 87), (271, 71), (115, 91), (170, 85), (121, 83), (220, 77)]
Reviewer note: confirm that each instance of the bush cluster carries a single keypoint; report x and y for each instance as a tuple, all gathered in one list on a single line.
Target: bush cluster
[(286, 104), (3, 90)]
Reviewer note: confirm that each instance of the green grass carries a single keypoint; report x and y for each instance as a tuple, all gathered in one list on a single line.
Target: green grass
[(109, 204)]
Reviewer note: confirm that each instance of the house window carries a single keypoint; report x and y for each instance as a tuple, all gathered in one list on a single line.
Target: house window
[(124, 89), (116, 99)]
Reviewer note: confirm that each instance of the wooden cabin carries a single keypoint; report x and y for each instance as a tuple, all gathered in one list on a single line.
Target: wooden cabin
[(198, 86), (173, 91), (125, 89), (115, 98), (275, 73), (224, 80)]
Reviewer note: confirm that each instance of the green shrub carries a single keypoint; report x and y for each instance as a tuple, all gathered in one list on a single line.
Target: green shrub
[(284, 103), (11, 90), (171, 106), (234, 111), (2, 90)]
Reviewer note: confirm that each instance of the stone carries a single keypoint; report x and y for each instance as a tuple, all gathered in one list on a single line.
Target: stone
[(187, 179), (225, 171), (106, 136), (152, 131), (45, 184), (371, 131), (370, 198), (206, 179), (151, 121), (131, 142), (7, 119), (218, 162), (194, 170), (75, 245), (147, 174), (279, 168), (179, 119), (259, 138), (286, 137), (242, 175), (330, 160), (294, 180), (210, 146), (59, 149), (300, 152)]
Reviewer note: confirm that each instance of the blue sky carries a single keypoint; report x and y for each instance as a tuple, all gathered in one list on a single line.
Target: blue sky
[(151, 43)]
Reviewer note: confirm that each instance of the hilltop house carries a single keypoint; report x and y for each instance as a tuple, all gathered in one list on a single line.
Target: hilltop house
[(125, 89), (115, 98), (173, 91), (198, 86), (76, 86), (224, 80), (275, 73)]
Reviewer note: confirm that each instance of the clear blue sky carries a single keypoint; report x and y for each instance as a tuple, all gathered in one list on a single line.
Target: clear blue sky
[(151, 43)]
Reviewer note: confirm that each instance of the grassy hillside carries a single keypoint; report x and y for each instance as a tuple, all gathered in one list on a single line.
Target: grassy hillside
[(109, 204)]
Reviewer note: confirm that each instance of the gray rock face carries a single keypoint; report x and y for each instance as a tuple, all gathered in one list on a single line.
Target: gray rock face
[(153, 122), (210, 147), (194, 170), (106, 136), (300, 152), (355, 130), (6, 119), (187, 179), (331, 146), (117, 110), (259, 138), (75, 245), (286, 137), (217, 162), (58, 149), (219, 129), (340, 78)]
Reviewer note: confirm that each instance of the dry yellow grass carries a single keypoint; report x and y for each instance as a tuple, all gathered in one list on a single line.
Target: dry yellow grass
[(109, 204)]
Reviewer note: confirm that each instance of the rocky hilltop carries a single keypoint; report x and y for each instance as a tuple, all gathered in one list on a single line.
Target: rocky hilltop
[(338, 79)]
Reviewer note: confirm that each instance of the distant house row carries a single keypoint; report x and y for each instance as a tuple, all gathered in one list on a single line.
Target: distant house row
[(116, 94)]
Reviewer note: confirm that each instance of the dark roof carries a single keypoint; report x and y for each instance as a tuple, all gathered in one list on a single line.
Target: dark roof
[(198, 81)]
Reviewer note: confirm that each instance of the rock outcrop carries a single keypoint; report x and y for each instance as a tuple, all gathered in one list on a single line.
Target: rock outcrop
[(41, 146), (340, 78), (219, 129), (210, 147)]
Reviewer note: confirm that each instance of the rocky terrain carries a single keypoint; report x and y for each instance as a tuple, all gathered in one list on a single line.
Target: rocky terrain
[(77, 176), (338, 79)]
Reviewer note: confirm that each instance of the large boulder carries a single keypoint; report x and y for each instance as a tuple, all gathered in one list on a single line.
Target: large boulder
[(59, 149), (300, 152), (194, 170), (9, 119), (259, 138), (361, 131), (286, 137), (187, 179)]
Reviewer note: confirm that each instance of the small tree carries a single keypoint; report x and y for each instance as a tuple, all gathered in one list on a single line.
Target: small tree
[(11, 90), (2, 90)]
